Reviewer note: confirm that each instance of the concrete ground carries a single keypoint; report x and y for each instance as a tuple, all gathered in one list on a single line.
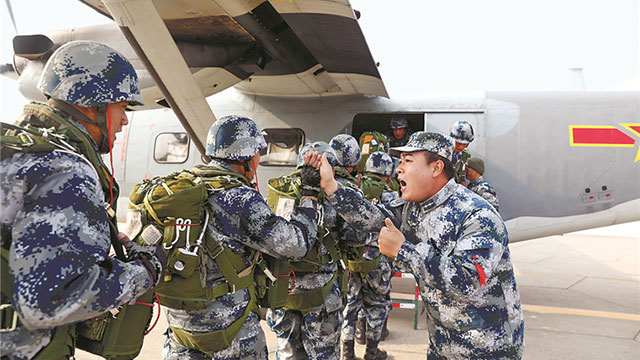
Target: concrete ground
[(580, 293)]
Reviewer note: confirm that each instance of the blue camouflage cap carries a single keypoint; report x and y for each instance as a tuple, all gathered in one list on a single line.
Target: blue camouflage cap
[(379, 163), (89, 74), (462, 132), (320, 147), (426, 141), (234, 138), (347, 149)]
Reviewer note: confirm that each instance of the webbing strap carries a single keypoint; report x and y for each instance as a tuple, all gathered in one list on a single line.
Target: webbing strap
[(217, 340), (364, 266), (304, 301)]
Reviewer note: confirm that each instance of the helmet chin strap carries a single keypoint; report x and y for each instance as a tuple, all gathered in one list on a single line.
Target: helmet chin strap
[(104, 146)]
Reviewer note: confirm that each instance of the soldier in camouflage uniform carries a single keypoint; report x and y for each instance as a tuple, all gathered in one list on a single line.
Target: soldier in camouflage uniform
[(369, 292), (399, 132), (456, 247), (57, 214), (315, 333), (477, 184), (242, 222), (462, 133)]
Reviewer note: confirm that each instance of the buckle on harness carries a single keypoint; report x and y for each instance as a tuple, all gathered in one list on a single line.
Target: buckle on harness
[(221, 249), (7, 308)]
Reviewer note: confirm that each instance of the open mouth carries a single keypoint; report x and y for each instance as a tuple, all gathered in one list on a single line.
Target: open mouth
[(403, 185)]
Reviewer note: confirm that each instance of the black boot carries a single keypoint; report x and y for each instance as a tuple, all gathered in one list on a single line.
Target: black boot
[(361, 331), (348, 353), (385, 331), (373, 352)]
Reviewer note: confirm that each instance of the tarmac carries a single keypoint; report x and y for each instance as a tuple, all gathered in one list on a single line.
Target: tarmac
[(580, 293)]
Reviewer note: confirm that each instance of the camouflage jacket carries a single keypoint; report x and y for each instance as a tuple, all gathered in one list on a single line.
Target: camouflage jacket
[(53, 208), (243, 221), (457, 248), (485, 190), (459, 162)]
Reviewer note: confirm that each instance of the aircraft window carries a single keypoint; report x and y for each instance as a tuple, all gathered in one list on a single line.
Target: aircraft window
[(282, 146), (171, 148)]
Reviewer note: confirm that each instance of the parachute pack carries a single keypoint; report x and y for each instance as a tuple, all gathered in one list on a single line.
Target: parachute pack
[(371, 141), (114, 335), (173, 212), (282, 197)]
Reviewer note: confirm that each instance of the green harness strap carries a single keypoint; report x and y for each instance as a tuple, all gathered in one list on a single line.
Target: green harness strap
[(217, 340)]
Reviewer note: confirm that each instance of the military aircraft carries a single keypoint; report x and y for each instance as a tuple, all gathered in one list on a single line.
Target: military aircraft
[(559, 161)]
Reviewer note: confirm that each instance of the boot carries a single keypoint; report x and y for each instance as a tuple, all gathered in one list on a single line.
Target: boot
[(361, 331), (385, 331), (373, 352), (348, 352)]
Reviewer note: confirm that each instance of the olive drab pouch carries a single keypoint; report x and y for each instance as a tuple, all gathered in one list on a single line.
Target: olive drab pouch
[(283, 194), (370, 142), (118, 334), (272, 282)]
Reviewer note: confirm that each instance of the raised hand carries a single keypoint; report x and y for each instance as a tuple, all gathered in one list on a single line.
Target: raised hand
[(390, 239)]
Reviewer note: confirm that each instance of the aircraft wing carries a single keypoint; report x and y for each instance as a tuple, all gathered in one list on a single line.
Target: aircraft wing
[(197, 48)]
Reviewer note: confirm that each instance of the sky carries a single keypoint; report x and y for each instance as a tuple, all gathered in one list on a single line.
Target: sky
[(439, 46)]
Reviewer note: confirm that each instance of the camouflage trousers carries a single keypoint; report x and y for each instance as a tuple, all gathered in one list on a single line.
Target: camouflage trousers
[(489, 343), (369, 294), (315, 335), (250, 343)]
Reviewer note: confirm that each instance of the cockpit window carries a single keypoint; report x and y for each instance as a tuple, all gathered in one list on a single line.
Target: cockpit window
[(282, 146), (171, 148)]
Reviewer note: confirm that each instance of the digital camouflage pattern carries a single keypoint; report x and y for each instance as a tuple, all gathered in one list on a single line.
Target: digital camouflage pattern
[(370, 293), (379, 163), (459, 161), (426, 141), (316, 335), (486, 191), (241, 221), (347, 149), (450, 237), (320, 147), (462, 132), (53, 209), (90, 74), (234, 137)]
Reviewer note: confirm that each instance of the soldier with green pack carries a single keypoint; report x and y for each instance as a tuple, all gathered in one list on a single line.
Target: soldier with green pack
[(308, 326), (216, 228), (58, 221), (370, 284)]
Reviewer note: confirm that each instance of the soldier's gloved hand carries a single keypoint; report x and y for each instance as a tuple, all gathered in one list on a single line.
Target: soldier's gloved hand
[(310, 181), (151, 257)]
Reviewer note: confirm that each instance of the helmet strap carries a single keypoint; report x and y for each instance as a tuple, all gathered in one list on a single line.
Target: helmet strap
[(101, 122)]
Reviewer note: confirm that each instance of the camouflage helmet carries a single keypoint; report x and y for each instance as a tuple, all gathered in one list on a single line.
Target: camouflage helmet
[(234, 138), (462, 132), (320, 147), (379, 163), (347, 149), (89, 74), (426, 141), (398, 123)]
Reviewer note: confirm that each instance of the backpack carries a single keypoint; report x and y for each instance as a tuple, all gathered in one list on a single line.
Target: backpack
[(118, 334), (370, 142), (282, 197), (173, 212)]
